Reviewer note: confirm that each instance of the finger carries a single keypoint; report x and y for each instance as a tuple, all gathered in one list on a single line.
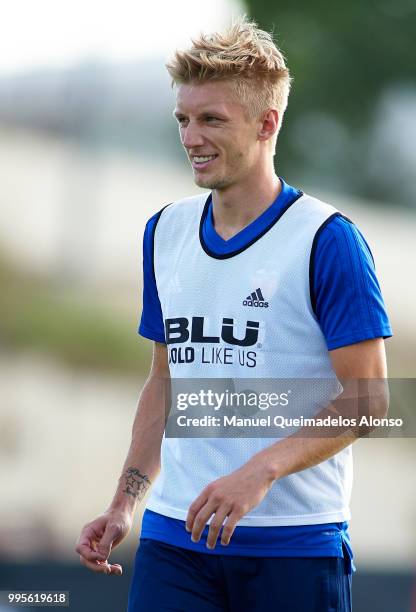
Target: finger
[(85, 550), (105, 544), (229, 526), (215, 526), (202, 519), (91, 532), (114, 569), (98, 567), (103, 567), (86, 545), (194, 508)]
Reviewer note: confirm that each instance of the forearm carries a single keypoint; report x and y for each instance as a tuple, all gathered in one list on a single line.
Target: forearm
[(310, 446), (142, 463), (294, 454)]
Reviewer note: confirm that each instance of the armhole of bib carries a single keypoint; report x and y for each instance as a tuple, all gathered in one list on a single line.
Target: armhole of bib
[(158, 215), (312, 256)]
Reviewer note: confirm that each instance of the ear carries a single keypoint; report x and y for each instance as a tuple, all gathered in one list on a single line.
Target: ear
[(269, 124)]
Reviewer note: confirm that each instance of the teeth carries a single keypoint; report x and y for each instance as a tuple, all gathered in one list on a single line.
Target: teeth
[(200, 159)]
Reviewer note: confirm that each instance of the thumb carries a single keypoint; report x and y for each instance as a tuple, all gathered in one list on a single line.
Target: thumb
[(105, 544)]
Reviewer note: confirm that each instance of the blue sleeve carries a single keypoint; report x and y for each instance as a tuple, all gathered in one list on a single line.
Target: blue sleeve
[(345, 292), (151, 323)]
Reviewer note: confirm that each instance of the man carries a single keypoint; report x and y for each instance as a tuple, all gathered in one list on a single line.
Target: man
[(252, 280)]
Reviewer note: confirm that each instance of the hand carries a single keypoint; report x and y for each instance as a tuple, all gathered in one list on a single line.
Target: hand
[(99, 537), (231, 496)]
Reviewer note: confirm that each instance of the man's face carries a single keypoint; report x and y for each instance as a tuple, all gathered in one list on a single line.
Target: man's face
[(219, 139)]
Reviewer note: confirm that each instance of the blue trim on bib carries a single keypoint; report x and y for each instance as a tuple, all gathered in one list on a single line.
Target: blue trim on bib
[(215, 246)]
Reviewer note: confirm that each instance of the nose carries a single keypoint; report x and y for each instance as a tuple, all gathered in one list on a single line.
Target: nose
[(191, 136)]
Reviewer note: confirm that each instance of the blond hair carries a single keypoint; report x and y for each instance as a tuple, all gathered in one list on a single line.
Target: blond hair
[(243, 54)]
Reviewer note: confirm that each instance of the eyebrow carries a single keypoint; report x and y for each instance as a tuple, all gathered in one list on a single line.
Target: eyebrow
[(208, 113)]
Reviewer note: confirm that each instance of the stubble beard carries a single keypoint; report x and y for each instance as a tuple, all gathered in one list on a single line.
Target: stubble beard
[(234, 170), (212, 183)]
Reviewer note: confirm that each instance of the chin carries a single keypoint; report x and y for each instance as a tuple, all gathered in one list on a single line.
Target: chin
[(211, 182)]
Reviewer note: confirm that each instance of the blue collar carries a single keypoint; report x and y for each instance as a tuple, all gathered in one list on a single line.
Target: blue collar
[(249, 234)]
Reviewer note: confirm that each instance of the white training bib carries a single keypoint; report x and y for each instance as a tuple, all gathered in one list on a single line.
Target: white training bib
[(248, 315)]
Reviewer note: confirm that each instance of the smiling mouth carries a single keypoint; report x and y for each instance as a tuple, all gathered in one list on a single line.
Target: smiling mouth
[(201, 161)]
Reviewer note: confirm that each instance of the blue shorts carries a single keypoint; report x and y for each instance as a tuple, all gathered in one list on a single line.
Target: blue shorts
[(171, 579)]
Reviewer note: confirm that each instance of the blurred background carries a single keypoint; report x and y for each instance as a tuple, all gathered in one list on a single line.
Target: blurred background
[(88, 152)]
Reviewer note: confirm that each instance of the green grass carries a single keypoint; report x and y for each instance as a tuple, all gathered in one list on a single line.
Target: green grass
[(35, 314)]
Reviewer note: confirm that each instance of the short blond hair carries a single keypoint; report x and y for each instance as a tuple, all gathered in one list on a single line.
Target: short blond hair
[(243, 54)]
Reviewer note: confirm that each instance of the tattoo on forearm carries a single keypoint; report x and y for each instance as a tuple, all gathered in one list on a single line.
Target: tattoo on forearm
[(136, 483)]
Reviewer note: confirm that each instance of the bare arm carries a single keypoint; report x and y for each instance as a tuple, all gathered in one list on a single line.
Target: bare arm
[(140, 469), (231, 497), (143, 459), (358, 361)]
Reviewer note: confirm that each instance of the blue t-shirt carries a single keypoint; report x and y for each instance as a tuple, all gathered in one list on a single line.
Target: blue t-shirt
[(347, 301)]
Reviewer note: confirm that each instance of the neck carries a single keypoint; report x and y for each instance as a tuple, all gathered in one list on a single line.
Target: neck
[(237, 206)]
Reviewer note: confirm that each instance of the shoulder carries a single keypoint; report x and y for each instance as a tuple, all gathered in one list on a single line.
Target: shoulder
[(342, 236), (312, 214), (181, 207), (152, 222), (345, 292), (313, 205)]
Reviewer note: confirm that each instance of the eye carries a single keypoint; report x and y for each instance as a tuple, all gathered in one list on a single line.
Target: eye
[(181, 120), (211, 118)]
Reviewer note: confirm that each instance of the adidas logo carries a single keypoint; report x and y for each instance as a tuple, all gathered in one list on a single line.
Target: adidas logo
[(256, 299)]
